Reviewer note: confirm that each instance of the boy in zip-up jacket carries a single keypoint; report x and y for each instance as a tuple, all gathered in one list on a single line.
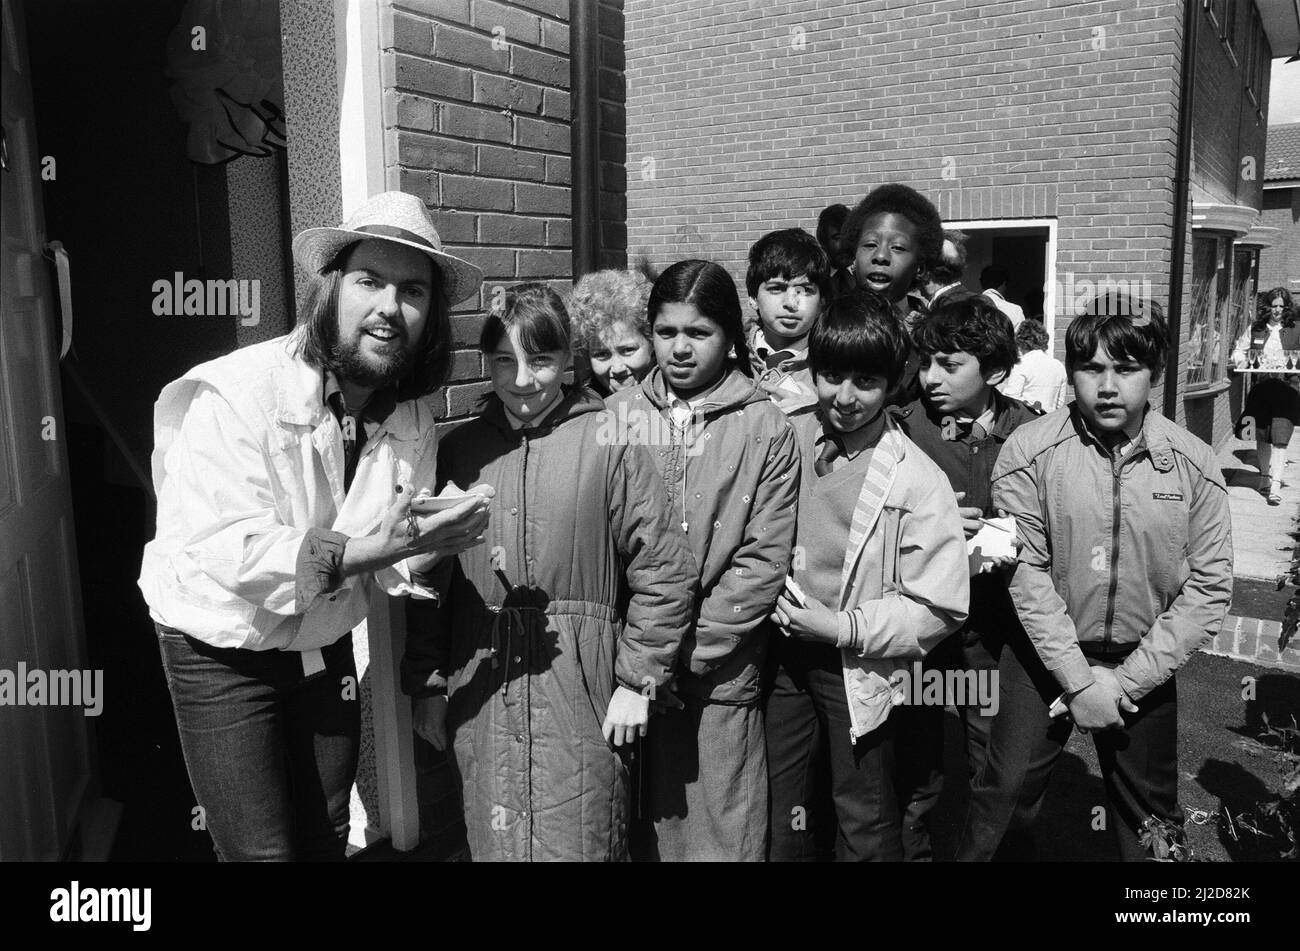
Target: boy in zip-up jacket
[(881, 570), (1125, 570)]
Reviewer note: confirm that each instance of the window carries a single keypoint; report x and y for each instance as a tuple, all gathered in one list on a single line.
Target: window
[(1210, 309), (1255, 49), (1244, 278)]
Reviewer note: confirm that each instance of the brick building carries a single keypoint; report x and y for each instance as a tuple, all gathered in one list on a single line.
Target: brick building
[(1047, 131), (1279, 265)]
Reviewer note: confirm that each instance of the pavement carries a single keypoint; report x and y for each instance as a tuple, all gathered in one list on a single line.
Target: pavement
[(1263, 541)]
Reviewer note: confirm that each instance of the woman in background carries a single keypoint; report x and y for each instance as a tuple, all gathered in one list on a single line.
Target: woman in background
[(1273, 403)]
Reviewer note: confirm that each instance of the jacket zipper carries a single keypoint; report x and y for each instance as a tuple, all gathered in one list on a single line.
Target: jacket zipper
[(524, 710), (1115, 468)]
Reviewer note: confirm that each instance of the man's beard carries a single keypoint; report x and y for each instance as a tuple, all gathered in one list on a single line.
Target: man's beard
[(348, 363)]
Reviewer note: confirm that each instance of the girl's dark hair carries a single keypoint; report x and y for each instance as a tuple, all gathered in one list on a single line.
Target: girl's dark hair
[(969, 323), (713, 293), (319, 320), (1129, 328), (539, 313), (831, 219), (792, 253), (859, 335), (901, 200), (1263, 309), (1031, 335)]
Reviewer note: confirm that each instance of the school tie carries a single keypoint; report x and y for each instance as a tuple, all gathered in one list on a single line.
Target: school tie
[(831, 450), (971, 429), (774, 359)]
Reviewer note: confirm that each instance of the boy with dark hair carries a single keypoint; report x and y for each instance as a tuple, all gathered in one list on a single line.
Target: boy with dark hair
[(897, 236), (789, 284), (878, 578), (960, 421), (944, 276), (1125, 569)]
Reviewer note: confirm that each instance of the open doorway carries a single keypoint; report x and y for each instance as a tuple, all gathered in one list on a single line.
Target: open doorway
[(1027, 249), (140, 197)]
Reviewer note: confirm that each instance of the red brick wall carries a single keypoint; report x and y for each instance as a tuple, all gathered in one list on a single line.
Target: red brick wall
[(1230, 127), (744, 117), (476, 110), (1279, 265)]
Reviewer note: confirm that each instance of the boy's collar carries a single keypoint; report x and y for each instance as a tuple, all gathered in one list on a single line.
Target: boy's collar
[(996, 419), (758, 343), (1151, 436)]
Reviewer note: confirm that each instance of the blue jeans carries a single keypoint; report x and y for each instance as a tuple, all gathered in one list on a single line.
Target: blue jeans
[(271, 753)]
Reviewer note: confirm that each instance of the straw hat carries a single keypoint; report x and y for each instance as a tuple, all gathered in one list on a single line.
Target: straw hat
[(396, 217)]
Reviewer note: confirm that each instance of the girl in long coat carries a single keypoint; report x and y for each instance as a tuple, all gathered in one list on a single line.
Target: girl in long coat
[(551, 638)]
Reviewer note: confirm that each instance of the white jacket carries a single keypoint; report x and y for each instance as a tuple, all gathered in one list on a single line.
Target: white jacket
[(246, 458)]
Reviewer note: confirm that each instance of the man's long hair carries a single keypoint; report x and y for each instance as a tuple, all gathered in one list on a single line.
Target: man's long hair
[(318, 326)]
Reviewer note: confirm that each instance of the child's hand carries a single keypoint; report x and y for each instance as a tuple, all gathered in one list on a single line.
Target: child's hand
[(430, 720), (629, 712), (1002, 562), (815, 622), (970, 517)]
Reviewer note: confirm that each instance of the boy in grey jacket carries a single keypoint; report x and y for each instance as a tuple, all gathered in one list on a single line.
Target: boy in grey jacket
[(1125, 569)]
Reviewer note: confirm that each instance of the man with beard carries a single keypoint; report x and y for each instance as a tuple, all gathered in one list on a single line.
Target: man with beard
[(285, 474)]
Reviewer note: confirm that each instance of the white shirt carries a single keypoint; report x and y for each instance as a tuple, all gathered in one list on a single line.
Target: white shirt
[(1013, 311), (1037, 378)]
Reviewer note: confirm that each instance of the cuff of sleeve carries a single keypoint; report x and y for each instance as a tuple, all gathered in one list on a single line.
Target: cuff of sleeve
[(847, 635), (1074, 674), (318, 569), (1135, 689)]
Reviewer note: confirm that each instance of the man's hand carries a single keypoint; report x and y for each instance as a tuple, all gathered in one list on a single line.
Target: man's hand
[(1096, 707), (1107, 676), (628, 714), (403, 534), (430, 718), (814, 622)]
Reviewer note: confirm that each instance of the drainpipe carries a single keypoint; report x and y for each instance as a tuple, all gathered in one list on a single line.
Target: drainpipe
[(1182, 190), (584, 105)]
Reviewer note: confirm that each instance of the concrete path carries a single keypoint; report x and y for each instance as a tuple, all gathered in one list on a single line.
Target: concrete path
[(1262, 548)]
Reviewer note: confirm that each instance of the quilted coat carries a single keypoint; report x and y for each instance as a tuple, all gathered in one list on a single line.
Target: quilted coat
[(583, 584)]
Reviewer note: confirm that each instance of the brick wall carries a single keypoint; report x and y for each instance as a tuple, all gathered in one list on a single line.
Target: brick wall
[(1279, 265), (476, 116), (756, 117), (1229, 124)]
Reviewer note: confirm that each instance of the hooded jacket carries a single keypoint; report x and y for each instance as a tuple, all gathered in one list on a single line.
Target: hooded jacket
[(1122, 554), (732, 479), (583, 583)]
